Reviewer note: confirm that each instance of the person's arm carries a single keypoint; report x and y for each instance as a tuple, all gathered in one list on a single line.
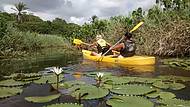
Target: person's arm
[(119, 46)]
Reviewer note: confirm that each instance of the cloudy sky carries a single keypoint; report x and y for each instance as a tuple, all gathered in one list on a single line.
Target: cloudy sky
[(78, 11)]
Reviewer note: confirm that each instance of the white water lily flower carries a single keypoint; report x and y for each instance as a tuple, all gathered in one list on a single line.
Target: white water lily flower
[(100, 75), (57, 70)]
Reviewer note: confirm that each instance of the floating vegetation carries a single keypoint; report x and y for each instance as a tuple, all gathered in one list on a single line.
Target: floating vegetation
[(7, 92), (175, 103), (168, 85), (129, 101), (174, 78), (64, 105), (145, 80), (132, 89), (49, 79), (93, 74), (23, 75), (167, 95), (12, 83), (181, 63), (42, 99), (88, 92), (114, 80), (69, 84)]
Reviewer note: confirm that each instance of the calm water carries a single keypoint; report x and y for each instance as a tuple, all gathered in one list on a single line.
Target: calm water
[(73, 62)]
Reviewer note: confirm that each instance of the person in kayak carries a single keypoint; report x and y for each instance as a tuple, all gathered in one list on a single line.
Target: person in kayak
[(127, 47), (102, 46)]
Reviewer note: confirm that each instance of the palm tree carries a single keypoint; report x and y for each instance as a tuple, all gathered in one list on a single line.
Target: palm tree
[(20, 7)]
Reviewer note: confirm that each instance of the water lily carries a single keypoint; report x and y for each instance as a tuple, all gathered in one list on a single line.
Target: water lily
[(57, 70), (100, 75), (99, 78)]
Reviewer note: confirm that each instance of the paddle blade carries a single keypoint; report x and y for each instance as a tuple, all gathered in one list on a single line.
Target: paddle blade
[(77, 41), (136, 27)]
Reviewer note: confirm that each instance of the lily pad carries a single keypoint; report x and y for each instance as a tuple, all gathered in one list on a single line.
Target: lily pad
[(175, 103), (132, 89), (174, 78), (7, 92), (12, 83), (69, 84), (42, 99), (88, 92), (114, 80), (93, 74), (169, 85), (49, 79), (129, 101), (167, 95), (64, 105), (145, 80)]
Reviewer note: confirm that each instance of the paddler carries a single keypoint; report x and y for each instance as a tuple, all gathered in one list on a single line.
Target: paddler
[(102, 46)]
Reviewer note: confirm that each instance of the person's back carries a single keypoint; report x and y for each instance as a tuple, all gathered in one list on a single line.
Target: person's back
[(129, 48)]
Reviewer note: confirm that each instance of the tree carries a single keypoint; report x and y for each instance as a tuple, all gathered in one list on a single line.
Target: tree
[(20, 7), (94, 18)]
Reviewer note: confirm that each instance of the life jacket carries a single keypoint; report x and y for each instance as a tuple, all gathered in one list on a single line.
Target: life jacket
[(102, 46), (129, 49), (102, 42)]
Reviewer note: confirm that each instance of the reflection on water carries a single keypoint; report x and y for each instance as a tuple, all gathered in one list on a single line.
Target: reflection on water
[(38, 61)]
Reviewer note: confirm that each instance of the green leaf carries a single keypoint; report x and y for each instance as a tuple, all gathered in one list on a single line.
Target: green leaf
[(42, 99), (132, 89), (12, 83), (168, 85), (64, 105), (90, 92), (7, 92), (129, 101), (49, 79)]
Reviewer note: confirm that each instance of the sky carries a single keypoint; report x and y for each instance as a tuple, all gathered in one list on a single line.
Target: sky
[(77, 11)]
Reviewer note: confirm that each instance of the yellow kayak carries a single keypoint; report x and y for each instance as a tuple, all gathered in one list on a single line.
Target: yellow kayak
[(134, 60)]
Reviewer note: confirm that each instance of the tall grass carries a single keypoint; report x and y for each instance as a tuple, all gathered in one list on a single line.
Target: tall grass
[(15, 42)]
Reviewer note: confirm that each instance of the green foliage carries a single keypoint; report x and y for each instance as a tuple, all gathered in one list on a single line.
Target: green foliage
[(49, 79), (175, 103), (132, 89), (3, 27), (69, 84), (7, 92), (12, 83), (42, 99), (88, 92), (129, 101), (168, 85), (64, 105)]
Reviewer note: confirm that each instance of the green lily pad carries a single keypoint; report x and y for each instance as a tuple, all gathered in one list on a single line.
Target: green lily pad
[(64, 105), (7, 92), (175, 103), (132, 89), (12, 83), (114, 80), (93, 74), (69, 84), (42, 99), (88, 92), (167, 95), (168, 85), (174, 78), (145, 80), (49, 79), (129, 101), (24, 75)]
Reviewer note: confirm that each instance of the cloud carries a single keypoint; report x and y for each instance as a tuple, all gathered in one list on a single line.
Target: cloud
[(79, 11)]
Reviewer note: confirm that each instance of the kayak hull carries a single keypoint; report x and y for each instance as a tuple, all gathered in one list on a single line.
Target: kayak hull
[(134, 60)]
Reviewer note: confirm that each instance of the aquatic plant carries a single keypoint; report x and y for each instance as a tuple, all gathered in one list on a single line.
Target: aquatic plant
[(129, 101), (69, 84), (114, 80), (132, 89), (99, 77), (12, 83), (88, 92), (168, 85), (57, 72), (175, 103), (174, 78), (20, 76), (64, 105), (7, 92), (181, 63), (94, 74), (42, 99), (48, 79)]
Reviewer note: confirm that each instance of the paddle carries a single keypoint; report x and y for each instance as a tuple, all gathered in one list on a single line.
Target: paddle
[(136, 27), (79, 42)]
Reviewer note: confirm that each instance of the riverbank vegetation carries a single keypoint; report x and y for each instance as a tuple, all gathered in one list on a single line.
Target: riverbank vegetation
[(166, 31)]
